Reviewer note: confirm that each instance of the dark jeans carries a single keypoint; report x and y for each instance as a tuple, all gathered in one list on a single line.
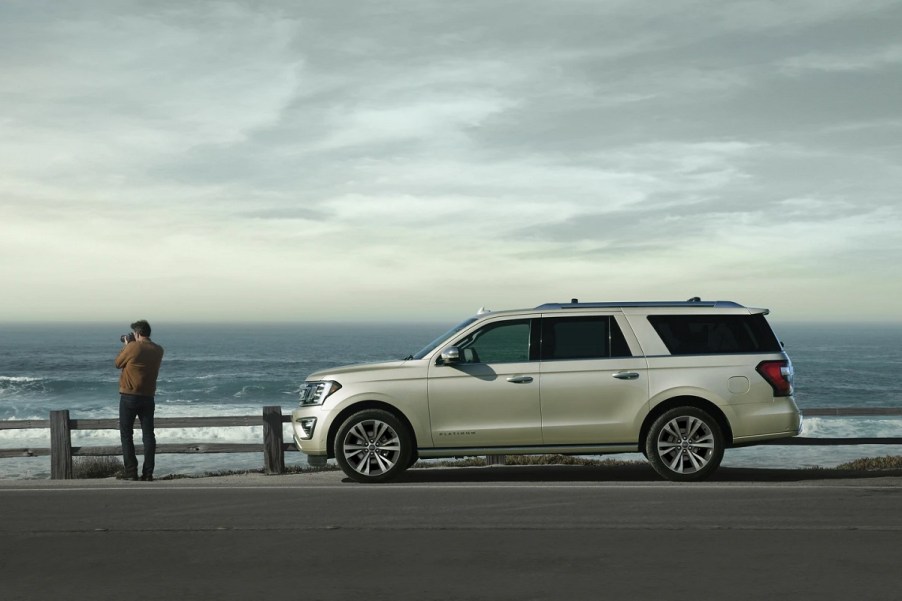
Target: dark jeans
[(142, 407)]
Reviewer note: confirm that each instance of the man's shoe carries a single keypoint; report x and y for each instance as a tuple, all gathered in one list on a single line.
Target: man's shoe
[(146, 478), (127, 477)]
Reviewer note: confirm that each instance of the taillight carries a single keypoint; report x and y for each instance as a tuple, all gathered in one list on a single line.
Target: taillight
[(778, 374)]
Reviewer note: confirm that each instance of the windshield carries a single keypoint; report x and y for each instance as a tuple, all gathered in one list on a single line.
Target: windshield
[(431, 346)]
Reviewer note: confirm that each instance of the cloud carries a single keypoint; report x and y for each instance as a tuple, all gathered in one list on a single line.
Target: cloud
[(103, 95), (334, 159), (870, 60)]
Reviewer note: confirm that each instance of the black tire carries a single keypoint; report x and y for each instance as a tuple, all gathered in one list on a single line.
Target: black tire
[(373, 446), (685, 444)]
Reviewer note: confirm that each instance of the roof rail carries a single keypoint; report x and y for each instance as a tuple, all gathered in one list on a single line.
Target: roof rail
[(693, 302)]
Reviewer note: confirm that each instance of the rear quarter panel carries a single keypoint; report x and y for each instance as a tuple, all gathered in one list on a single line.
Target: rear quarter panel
[(728, 381)]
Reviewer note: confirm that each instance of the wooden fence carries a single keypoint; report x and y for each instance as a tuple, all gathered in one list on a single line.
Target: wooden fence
[(61, 450), (273, 447)]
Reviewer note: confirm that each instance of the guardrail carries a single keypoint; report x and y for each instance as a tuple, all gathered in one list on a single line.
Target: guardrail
[(842, 412), (273, 447)]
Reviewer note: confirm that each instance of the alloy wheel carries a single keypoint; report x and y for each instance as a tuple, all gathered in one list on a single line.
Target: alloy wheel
[(372, 447), (686, 444)]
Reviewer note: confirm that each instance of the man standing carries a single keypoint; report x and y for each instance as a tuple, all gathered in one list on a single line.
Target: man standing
[(139, 361)]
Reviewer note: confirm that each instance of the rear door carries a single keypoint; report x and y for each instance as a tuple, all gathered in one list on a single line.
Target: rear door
[(594, 391)]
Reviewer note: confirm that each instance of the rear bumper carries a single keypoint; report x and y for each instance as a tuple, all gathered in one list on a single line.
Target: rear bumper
[(795, 430), (754, 422)]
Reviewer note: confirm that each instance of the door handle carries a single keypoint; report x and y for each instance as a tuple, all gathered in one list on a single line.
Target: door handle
[(626, 375), (520, 379)]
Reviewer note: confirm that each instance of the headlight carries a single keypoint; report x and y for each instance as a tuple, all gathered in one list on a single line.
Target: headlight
[(315, 393)]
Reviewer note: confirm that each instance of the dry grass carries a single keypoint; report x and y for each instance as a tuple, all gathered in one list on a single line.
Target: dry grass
[(531, 460), (289, 469), (108, 467), (890, 462), (84, 468)]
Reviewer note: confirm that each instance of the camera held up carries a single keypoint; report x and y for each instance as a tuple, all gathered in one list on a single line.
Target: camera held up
[(126, 338)]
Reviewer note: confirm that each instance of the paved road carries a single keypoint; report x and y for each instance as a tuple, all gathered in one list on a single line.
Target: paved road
[(477, 533)]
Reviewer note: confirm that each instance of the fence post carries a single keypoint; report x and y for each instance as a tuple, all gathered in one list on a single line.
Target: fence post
[(60, 446), (273, 454)]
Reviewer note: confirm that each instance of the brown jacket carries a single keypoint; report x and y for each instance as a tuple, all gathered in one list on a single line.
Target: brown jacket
[(140, 364)]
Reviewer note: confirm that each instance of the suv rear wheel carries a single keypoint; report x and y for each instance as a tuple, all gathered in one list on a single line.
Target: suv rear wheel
[(373, 446), (685, 443)]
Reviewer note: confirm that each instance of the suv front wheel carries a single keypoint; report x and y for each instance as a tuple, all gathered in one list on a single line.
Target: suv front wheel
[(685, 443), (373, 446)]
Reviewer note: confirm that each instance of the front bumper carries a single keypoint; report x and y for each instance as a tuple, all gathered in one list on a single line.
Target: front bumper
[(310, 431)]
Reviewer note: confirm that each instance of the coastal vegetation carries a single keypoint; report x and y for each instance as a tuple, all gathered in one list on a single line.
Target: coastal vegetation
[(109, 467), (85, 468), (890, 462)]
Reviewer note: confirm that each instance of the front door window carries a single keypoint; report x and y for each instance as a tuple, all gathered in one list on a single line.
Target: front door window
[(506, 342)]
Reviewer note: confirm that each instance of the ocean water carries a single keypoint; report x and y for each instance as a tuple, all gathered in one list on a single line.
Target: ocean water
[(237, 369)]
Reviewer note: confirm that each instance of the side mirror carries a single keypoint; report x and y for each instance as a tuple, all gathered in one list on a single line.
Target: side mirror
[(451, 355)]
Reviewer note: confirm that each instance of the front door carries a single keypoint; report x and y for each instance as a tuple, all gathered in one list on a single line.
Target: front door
[(491, 397)]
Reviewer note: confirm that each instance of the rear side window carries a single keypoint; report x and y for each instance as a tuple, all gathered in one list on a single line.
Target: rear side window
[(715, 334), (582, 338)]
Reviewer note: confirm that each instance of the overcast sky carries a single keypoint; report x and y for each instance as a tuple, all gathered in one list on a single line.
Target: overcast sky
[(185, 161)]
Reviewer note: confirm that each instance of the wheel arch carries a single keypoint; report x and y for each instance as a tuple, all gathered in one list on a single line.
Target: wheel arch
[(687, 401), (362, 406)]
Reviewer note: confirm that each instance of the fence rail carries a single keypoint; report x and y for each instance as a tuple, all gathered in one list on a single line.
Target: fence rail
[(273, 446), (61, 450)]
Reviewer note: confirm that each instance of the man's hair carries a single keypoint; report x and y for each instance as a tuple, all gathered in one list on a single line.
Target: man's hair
[(141, 327)]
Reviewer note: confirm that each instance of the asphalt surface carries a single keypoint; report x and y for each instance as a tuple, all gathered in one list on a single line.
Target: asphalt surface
[(465, 533)]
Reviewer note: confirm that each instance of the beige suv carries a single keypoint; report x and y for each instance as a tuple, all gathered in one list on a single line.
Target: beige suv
[(678, 381)]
